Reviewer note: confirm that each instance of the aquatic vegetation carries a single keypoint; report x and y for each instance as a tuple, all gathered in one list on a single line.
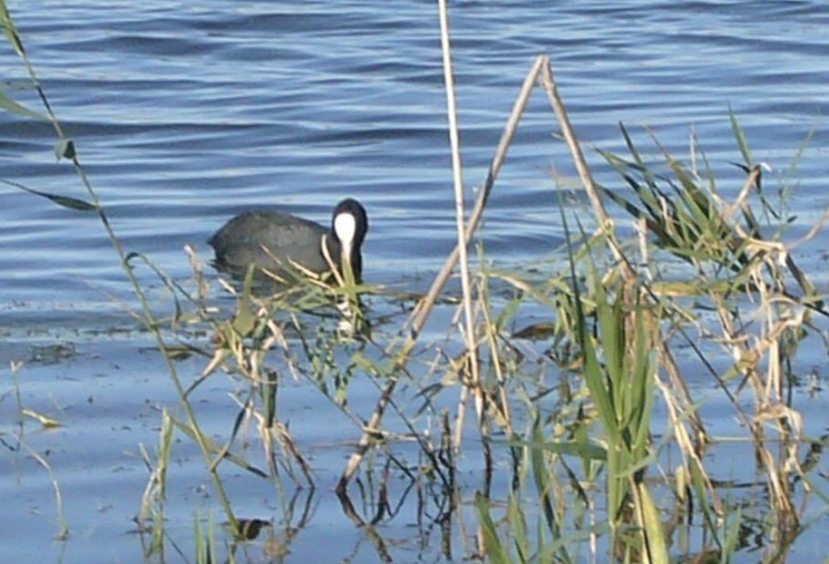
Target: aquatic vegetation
[(587, 439)]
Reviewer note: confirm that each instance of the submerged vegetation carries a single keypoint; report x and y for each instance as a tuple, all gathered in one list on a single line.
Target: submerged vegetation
[(588, 418)]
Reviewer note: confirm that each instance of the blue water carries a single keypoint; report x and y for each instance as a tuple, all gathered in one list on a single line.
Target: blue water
[(185, 113)]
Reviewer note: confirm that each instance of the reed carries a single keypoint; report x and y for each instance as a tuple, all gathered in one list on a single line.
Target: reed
[(622, 325), (18, 445), (65, 148), (565, 409)]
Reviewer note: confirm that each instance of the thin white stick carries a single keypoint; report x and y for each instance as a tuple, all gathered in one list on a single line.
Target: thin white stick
[(457, 174), (423, 308), (421, 313)]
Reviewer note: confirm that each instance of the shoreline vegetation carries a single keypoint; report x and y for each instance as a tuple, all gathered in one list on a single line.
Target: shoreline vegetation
[(702, 274)]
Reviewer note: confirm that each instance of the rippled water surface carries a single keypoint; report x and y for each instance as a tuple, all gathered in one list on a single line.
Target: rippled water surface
[(185, 113)]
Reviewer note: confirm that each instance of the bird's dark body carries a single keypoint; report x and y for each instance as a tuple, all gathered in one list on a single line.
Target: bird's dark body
[(286, 244)]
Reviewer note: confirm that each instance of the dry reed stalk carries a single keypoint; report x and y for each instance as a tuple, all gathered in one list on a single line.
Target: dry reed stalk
[(605, 223), (421, 312), (469, 334)]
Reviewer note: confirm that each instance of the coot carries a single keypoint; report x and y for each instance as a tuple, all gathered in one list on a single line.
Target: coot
[(276, 241)]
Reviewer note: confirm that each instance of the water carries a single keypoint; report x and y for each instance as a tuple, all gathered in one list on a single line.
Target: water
[(185, 113)]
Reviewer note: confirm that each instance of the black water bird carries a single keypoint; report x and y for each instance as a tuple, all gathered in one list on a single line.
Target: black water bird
[(285, 244)]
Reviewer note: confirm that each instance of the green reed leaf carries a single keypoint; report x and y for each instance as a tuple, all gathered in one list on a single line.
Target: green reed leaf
[(9, 29), (10, 105), (64, 201)]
